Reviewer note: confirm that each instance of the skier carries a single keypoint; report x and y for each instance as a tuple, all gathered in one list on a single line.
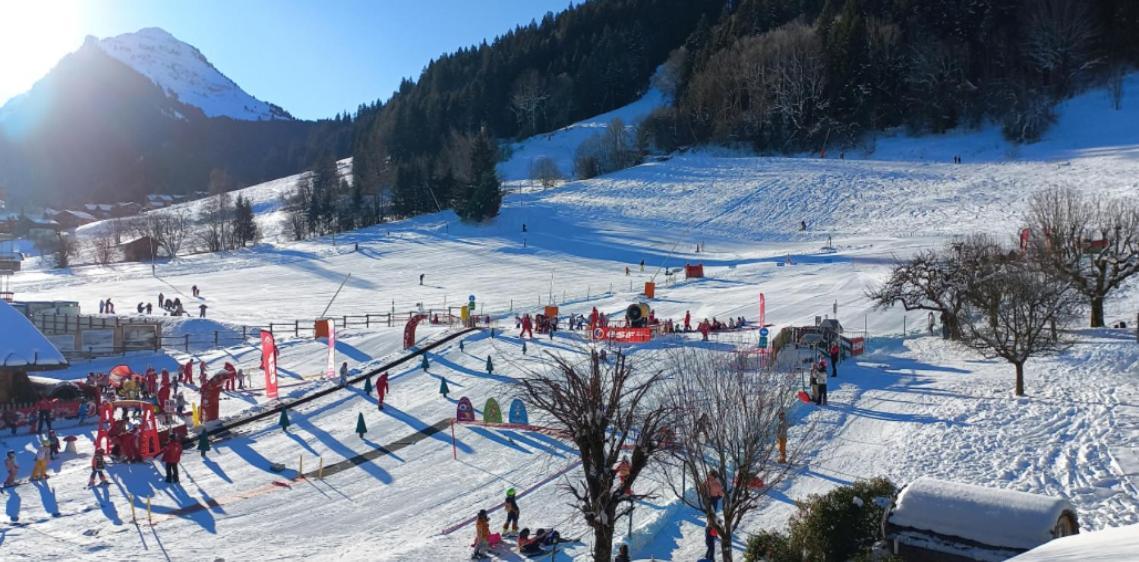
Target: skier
[(512, 512), (527, 326), (43, 414), (141, 307), (482, 535), (171, 456), (489, 366), (194, 291), (84, 408), (687, 321), (98, 465), (110, 306), (344, 374), (443, 387), (161, 299), (149, 308), (642, 266), (102, 306), (39, 470), (202, 310), (151, 381), (802, 225), (382, 389), (528, 545), (13, 468), (187, 373), (930, 322), (163, 396), (421, 278), (626, 271), (203, 443), (593, 317), (53, 442), (836, 353), (715, 489)]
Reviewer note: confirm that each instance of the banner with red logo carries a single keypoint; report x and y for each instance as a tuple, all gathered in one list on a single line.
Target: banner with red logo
[(331, 371), (623, 335), (269, 363)]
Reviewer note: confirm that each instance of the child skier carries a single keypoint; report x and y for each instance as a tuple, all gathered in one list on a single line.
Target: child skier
[(710, 542), (482, 535), (98, 465), (512, 511), (39, 470), (53, 442), (171, 456), (13, 468)]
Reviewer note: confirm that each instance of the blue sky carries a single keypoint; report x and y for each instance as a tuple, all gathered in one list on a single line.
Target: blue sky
[(312, 58)]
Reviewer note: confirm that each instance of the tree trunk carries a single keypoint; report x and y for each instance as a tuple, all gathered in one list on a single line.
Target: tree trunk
[(603, 540), (1097, 312), (1019, 379), (726, 547)]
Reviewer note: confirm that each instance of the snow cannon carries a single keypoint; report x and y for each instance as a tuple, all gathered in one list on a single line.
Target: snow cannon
[(637, 315)]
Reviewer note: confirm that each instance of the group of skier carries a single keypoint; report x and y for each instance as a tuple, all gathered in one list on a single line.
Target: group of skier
[(529, 543)]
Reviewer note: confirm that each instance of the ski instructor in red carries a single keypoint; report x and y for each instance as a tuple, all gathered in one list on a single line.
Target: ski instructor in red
[(381, 389)]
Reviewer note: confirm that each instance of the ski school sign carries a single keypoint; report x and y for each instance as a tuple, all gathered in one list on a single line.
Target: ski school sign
[(622, 335)]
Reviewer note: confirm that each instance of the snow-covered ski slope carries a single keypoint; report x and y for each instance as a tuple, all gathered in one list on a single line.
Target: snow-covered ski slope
[(912, 406)]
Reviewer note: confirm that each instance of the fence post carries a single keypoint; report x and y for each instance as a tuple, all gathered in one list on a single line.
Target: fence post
[(187, 343), (346, 321), (215, 338), (367, 320), (296, 328)]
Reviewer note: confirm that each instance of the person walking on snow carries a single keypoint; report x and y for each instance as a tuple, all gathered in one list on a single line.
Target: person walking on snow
[(710, 543), (344, 374), (421, 278), (98, 465), (202, 310), (482, 535), (821, 370), (512, 512), (13, 468), (171, 456), (930, 322), (382, 389), (687, 321), (715, 489), (443, 387), (527, 327), (836, 354)]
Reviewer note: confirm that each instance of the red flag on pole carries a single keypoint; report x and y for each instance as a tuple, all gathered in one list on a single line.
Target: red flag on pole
[(762, 310), (269, 363)]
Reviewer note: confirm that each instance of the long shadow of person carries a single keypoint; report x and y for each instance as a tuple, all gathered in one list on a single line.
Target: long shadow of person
[(13, 505), (103, 496)]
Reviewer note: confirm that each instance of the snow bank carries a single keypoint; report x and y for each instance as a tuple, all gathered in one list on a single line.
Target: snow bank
[(1000, 518), (1116, 545), (24, 345)]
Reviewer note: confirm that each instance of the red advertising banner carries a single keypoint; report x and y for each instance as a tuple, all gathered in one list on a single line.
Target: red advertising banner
[(623, 335), (269, 363), (330, 372)]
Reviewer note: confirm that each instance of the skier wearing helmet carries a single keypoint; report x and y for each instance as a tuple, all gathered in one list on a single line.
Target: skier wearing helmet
[(511, 524), (98, 465)]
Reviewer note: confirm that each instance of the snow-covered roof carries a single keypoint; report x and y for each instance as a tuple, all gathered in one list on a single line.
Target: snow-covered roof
[(990, 516), (23, 345), (77, 214), (1115, 545)]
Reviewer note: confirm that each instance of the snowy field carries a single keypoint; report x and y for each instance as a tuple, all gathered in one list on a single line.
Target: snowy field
[(912, 406)]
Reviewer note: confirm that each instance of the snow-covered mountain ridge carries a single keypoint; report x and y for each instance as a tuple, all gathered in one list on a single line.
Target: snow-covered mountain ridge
[(183, 72)]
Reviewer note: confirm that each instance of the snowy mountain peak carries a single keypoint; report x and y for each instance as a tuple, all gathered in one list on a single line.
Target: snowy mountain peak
[(184, 73)]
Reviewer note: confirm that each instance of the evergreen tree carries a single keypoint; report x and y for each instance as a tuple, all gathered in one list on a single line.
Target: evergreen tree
[(361, 428), (484, 195), (489, 365), (368, 385), (244, 224), (424, 364)]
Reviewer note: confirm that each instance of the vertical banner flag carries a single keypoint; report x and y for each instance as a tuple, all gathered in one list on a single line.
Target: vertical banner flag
[(269, 363), (762, 310), (331, 371)]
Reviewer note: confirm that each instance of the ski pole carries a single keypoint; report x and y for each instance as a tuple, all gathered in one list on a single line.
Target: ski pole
[(301, 466)]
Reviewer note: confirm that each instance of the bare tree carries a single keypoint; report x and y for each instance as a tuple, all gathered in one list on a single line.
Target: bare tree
[(546, 172), (605, 407), (65, 249), (168, 229), (1115, 85), (1092, 243), (728, 421), (215, 228), (103, 246), (1060, 37), (937, 280), (528, 99), (1012, 313)]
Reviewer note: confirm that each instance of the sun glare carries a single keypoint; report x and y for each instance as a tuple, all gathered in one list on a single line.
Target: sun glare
[(34, 35)]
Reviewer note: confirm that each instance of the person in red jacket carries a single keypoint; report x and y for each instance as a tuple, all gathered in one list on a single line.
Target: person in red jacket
[(187, 374), (381, 389), (98, 465), (163, 396), (151, 382), (171, 456), (527, 326), (836, 353), (687, 321), (165, 378)]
